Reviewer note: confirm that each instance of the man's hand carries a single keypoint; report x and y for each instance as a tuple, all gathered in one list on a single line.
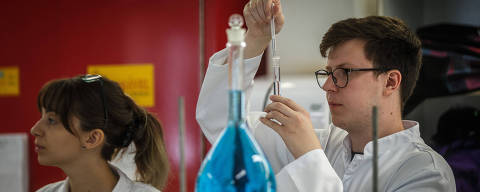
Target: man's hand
[(295, 126), (258, 14)]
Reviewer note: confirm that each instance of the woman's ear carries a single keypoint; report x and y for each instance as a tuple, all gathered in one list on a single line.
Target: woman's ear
[(93, 139), (393, 82)]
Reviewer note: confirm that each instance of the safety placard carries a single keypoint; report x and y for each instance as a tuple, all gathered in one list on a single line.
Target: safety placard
[(9, 81), (135, 79)]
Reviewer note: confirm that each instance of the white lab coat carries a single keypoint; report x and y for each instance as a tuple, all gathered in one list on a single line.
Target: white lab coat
[(124, 184), (405, 162)]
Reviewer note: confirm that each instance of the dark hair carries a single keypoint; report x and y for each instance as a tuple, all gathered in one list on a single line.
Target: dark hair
[(389, 45), (127, 122)]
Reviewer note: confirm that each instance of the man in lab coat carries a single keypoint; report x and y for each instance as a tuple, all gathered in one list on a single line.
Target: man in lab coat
[(372, 61)]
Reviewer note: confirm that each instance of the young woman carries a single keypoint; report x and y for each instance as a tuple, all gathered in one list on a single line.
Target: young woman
[(87, 120)]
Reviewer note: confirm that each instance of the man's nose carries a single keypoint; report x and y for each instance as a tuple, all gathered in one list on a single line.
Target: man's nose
[(329, 85)]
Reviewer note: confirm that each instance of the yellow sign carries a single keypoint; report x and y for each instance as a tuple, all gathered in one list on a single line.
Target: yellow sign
[(9, 81), (135, 79)]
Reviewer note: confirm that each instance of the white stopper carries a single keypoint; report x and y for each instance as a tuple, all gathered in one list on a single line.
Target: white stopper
[(235, 33)]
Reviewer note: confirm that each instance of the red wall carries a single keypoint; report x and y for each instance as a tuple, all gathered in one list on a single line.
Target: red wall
[(54, 39), (217, 13)]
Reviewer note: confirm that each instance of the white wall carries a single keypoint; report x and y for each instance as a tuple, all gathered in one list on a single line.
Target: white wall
[(306, 22)]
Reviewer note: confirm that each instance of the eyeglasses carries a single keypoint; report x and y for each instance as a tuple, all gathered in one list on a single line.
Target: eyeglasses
[(99, 78), (339, 75)]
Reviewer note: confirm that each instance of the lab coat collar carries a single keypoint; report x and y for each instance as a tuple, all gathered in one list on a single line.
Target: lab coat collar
[(411, 133), (64, 186), (123, 184)]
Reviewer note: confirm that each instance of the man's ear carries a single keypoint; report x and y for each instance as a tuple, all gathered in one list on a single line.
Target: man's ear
[(393, 82), (93, 139)]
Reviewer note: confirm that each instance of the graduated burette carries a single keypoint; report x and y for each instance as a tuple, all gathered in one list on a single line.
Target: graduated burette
[(275, 57)]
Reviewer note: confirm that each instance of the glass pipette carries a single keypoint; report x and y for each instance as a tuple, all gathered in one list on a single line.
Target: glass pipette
[(275, 57)]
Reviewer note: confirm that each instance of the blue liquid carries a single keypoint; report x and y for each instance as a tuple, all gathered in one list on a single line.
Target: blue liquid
[(235, 162)]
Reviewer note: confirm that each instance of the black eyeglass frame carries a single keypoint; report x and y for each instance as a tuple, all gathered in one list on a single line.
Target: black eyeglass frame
[(94, 78), (347, 71)]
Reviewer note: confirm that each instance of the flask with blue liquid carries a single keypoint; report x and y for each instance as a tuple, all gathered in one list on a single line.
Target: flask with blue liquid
[(235, 162)]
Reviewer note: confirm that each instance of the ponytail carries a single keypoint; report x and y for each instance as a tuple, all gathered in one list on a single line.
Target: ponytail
[(151, 157), (145, 131)]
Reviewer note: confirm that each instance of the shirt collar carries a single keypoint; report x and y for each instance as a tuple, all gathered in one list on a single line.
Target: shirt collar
[(64, 187), (123, 184), (409, 134)]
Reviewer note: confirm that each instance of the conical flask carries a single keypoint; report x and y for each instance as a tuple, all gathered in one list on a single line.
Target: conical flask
[(235, 162)]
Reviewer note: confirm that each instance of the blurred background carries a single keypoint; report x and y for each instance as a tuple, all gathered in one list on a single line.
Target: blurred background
[(170, 43)]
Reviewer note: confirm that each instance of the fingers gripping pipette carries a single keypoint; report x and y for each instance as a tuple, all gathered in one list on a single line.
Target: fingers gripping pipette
[(275, 57)]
